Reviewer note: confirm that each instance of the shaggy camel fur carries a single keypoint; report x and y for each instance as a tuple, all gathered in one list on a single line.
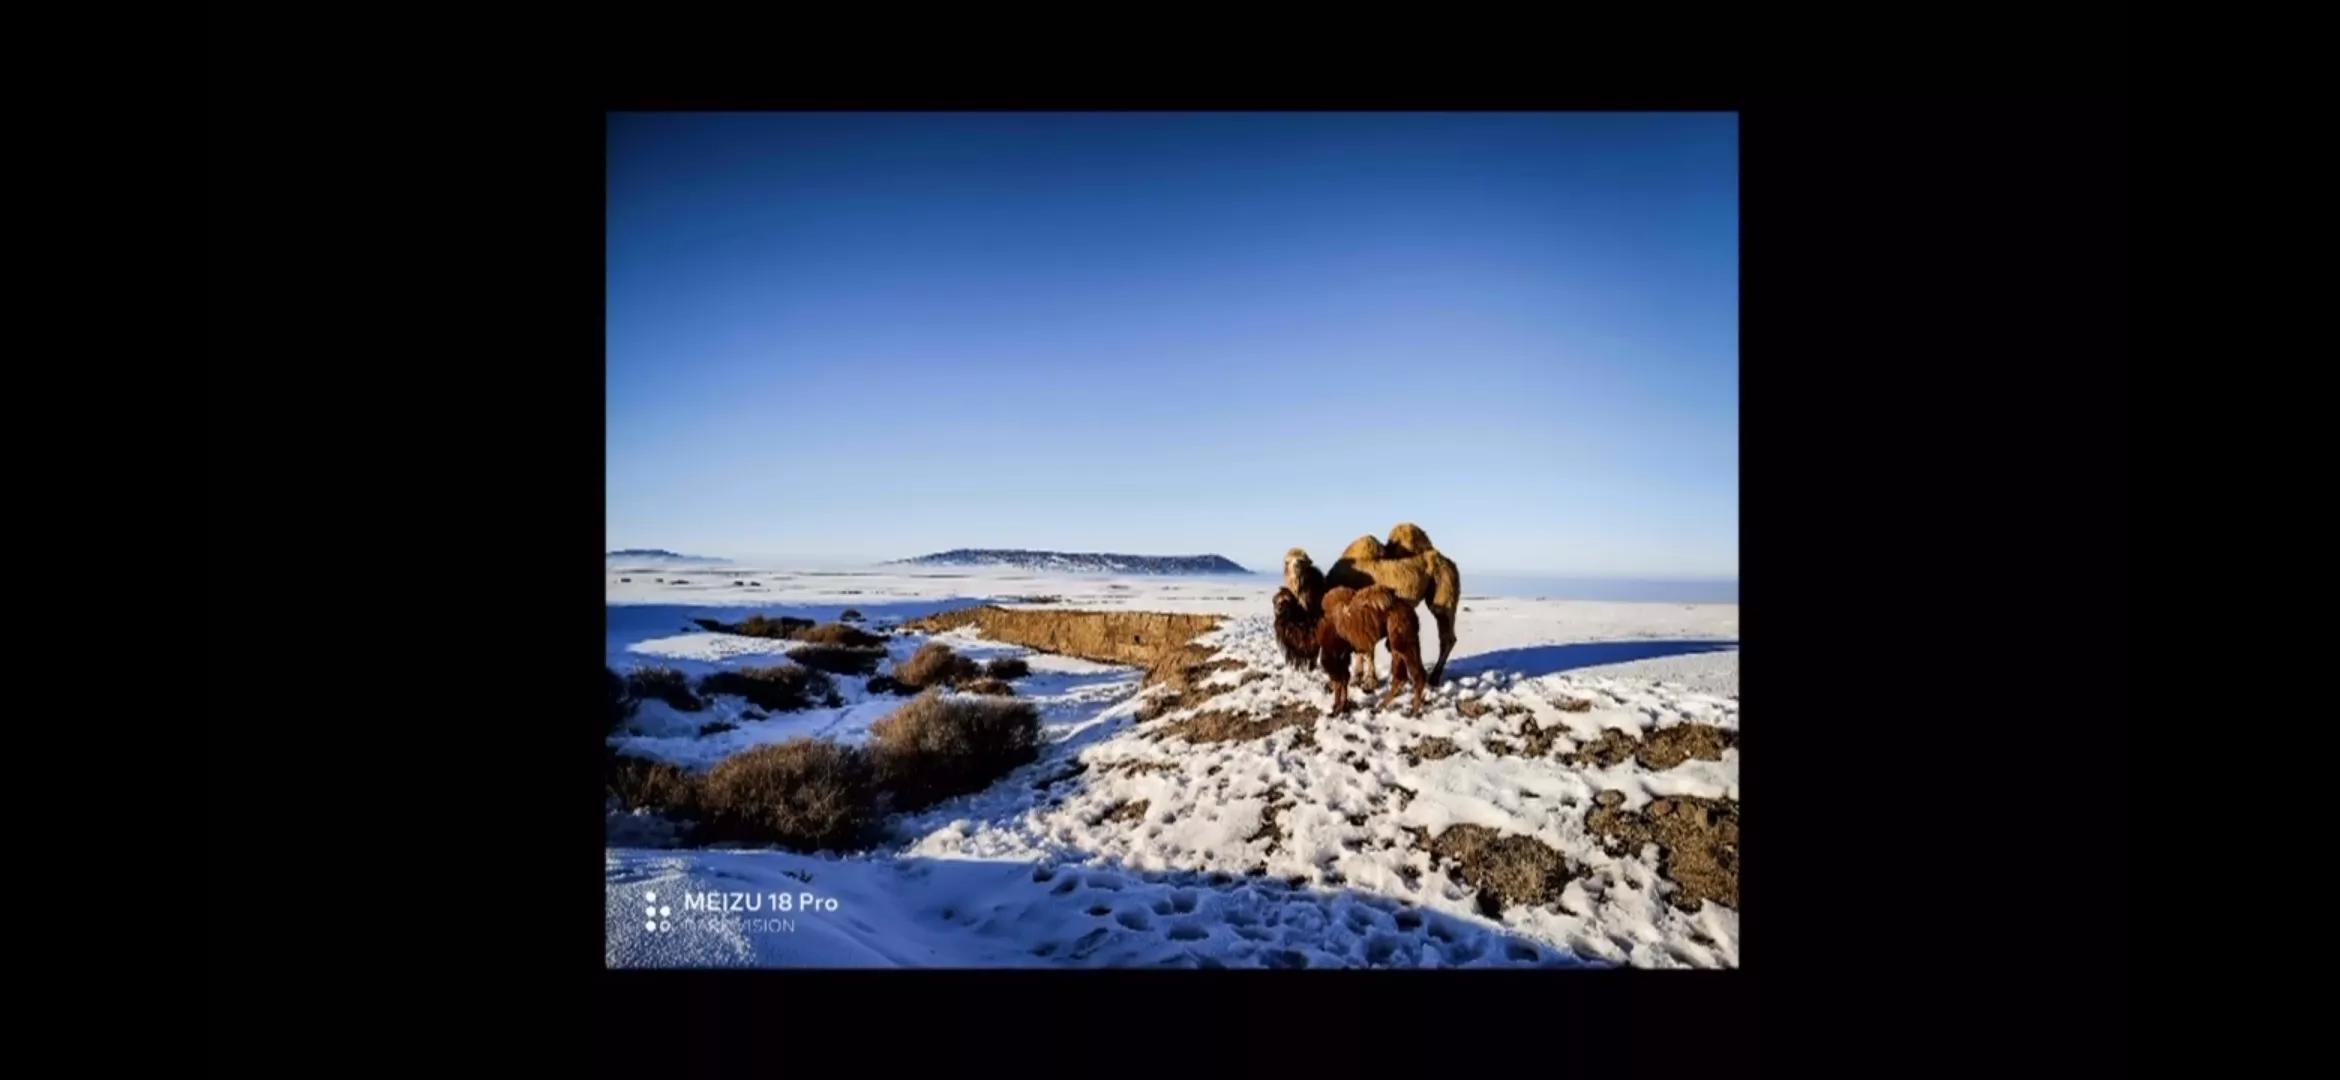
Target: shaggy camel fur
[(1411, 567), (1360, 619)]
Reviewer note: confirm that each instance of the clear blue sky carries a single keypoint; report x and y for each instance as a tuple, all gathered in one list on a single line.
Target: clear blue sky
[(877, 335)]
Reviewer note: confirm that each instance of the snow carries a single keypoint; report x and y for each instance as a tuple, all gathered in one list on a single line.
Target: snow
[(1040, 870)]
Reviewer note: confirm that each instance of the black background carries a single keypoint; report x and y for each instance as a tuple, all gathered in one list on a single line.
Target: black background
[(406, 456)]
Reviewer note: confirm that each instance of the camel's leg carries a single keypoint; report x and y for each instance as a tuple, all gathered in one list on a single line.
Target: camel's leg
[(1445, 618), (1401, 673), (1362, 670), (1397, 680)]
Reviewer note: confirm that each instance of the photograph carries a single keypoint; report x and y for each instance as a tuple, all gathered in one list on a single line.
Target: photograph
[(1151, 539)]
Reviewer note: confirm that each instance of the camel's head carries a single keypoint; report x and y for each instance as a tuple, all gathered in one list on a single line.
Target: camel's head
[(1296, 562)]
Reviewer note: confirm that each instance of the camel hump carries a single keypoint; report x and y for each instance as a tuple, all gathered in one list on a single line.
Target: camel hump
[(1363, 547), (1407, 535)]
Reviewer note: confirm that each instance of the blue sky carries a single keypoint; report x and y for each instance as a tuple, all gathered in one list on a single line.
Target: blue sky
[(869, 336)]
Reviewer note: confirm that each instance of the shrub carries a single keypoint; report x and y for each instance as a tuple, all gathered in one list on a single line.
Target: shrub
[(642, 784), (664, 684), (620, 706), (885, 684), (851, 615), (758, 626), (989, 687), (936, 747), (716, 727), (935, 665), (802, 794), (779, 688), (838, 633), (1007, 667), (839, 659)]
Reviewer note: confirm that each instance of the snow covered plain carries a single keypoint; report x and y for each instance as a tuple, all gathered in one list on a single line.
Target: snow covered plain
[(1127, 844)]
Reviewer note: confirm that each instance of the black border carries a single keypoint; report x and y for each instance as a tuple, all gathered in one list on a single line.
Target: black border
[(1933, 398)]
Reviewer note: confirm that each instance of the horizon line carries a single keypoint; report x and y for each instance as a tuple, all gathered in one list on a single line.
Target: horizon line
[(1498, 572)]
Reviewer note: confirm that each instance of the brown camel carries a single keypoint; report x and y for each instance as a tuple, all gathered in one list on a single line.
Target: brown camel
[(1357, 620), (1411, 567)]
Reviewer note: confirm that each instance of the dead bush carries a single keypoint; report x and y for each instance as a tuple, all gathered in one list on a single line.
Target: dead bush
[(779, 688), (936, 747), (663, 684), (934, 664), (803, 794), (838, 633), (759, 626), (1007, 667), (620, 705), (839, 659), (989, 688), (639, 783)]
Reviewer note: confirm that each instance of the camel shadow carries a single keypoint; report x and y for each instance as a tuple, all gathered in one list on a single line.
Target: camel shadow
[(1535, 660)]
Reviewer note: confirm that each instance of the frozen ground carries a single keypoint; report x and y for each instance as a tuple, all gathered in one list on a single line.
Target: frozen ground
[(1124, 845)]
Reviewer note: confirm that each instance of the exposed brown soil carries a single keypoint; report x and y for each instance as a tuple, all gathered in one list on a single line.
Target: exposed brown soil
[(1476, 709), (1269, 828), (1219, 725), (1183, 684), (1131, 812), (1662, 749), (1132, 768), (1507, 870), (1573, 705), (1537, 739), (1113, 637), (1614, 747), (1698, 842), (1430, 749)]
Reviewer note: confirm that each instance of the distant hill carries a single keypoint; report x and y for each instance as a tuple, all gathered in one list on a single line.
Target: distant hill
[(1083, 561), (660, 554)]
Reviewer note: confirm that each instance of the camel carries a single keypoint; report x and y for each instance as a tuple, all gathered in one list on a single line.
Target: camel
[(1296, 630), (1358, 620), (1299, 604), (1409, 566)]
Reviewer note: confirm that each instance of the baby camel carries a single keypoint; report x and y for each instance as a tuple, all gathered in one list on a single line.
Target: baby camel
[(1356, 620)]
